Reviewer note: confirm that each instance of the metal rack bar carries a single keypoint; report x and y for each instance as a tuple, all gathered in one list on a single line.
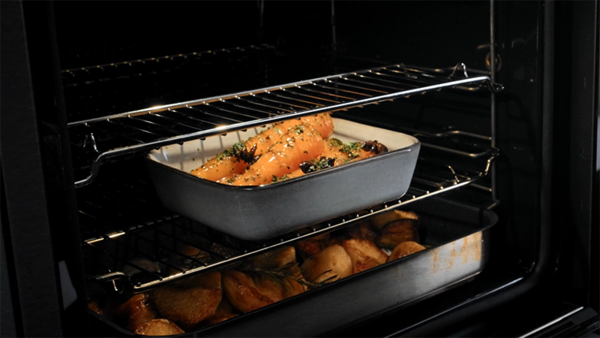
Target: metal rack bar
[(263, 106), (138, 62)]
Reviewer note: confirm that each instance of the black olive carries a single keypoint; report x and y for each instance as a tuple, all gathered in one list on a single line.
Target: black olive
[(375, 147), (306, 167), (315, 165)]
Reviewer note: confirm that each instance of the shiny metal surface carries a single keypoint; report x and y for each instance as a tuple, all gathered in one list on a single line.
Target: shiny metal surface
[(269, 210), (212, 116), (457, 237)]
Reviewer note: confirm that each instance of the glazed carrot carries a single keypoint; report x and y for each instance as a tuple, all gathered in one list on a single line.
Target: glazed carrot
[(322, 123), (220, 167), (334, 154), (302, 143), (296, 173), (270, 136), (226, 165)]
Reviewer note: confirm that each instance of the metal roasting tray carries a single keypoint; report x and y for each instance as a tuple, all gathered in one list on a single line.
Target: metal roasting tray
[(263, 212), (457, 237)]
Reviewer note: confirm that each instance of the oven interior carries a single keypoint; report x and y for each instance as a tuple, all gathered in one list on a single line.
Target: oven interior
[(138, 77)]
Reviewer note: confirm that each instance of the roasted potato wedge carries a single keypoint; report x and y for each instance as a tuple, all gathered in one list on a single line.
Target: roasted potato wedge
[(189, 257), (276, 258), (224, 311), (364, 254), (251, 291), (136, 311), (209, 280), (186, 307), (312, 246), (404, 249), (397, 232), (330, 264), (102, 302), (381, 220), (362, 230), (159, 327)]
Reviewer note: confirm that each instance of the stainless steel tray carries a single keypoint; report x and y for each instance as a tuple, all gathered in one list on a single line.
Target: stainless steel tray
[(458, 237), (263, 212)]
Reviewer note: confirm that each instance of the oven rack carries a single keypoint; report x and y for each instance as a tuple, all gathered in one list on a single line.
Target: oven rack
[(97, 140), (105, 89), (110, 71), (118, 232)]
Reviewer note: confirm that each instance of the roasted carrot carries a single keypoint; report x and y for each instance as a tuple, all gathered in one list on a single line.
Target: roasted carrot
[(301, 143), (323, 123), (228, 164), (336, 153), (220, 167)]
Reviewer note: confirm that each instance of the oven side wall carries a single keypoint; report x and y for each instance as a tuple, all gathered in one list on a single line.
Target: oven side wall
[(40, 231)]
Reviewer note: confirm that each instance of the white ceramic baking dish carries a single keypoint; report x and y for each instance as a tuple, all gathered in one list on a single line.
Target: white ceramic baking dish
[(268, 211)]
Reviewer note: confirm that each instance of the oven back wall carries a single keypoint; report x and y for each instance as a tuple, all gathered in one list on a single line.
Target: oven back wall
[(105, 31), (428, 33)]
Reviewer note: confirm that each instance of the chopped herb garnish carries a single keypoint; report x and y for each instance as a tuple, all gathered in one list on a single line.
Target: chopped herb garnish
[(317, 164), (279, 179), (235, 150), (290, 142), (352, 149), (334, 142), (240, 152)]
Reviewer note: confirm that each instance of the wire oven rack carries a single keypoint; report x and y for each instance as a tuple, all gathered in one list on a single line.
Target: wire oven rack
[(121, 217), (97, 140), (123, 221)]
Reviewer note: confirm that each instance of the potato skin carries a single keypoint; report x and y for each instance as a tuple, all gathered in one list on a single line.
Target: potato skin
[(209, 280), (362, 230), (333, 261), (364, 254), (404, 249), (224, 312), (186, 307), (381, 220), (312, 246), (159, 327), (248, 293), (397, 232), (136, 311), (276, 258)]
